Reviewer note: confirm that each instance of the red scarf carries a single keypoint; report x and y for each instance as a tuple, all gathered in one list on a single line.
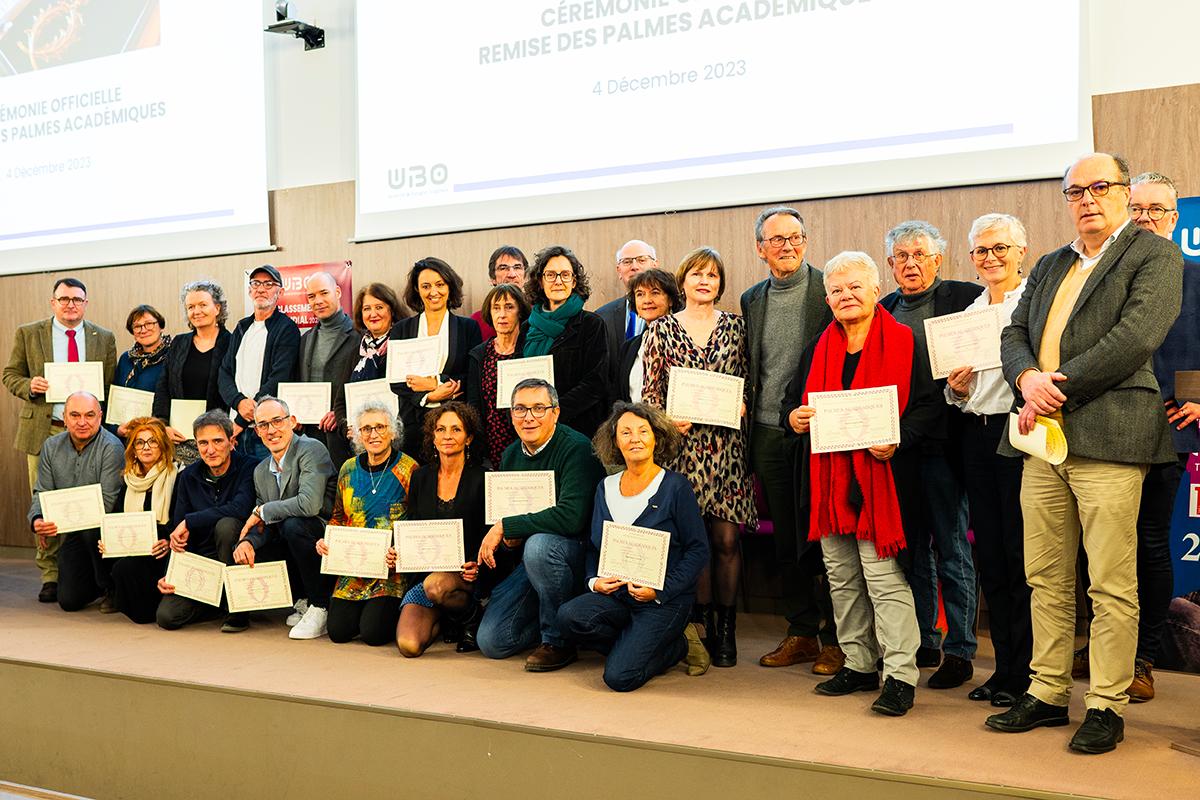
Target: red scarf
[(886, 360)]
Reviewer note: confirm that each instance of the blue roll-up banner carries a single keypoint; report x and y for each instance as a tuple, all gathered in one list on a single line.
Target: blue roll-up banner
[(1187, 230)]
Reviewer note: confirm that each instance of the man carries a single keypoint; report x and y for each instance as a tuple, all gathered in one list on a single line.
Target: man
[(262, 352), (506, 265), (212, 499), (784, 313), (915, 251), (84, 454), (295, 488), (620, 318), (55, 339), (329, 352), (523, 608), (1079, 350)]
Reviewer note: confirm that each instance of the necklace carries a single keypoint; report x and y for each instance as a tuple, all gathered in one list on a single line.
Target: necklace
[(382, 474)]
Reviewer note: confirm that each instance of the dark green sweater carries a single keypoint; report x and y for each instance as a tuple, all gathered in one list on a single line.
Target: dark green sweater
[(577, 472)]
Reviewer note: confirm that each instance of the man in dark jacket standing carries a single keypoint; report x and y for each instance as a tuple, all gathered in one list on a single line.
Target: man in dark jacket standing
[(328, 353)]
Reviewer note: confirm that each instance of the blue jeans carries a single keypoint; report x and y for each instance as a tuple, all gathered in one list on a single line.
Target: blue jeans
[(944, 514), (524, 606)]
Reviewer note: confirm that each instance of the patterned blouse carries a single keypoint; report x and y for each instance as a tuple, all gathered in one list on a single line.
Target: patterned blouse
[(497, 423)]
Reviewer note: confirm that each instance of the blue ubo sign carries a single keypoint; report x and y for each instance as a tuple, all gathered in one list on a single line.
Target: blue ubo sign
[(1187, 231)]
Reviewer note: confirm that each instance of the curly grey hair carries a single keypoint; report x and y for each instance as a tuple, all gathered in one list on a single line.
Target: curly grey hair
[(214, 291)]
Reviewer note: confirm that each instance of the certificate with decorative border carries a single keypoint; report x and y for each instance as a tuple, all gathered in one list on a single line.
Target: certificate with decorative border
[(420, 356), (634, 554), (356, 552), (184, 413), (512, 371), (429, 545), (509, 494), (68, 377), (125, 404), (196, 577), (854, 419), (362, 392), (263, 586), (131, 533), (967, 339), (308, 402), (709, 398), (79, 508)]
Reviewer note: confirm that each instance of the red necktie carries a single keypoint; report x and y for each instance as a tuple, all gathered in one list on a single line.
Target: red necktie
[(72, 347)]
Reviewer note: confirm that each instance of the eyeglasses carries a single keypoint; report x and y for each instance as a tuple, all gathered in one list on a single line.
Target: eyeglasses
[(999, 250), (641, 261), (1153, 212), (368, 431), (565, 278), (1097, 189), (538, 411), (70, 301), (919, 257), (271, 424), (795, 240), (145, 444), (510, 268), (145, 326), (257, 284)]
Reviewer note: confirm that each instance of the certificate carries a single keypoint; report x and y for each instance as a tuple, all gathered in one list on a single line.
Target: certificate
[(633, 554), (967, 339), (508, 494), (184, 413), (1046, 441), (77, 509), (854, 419), (1187, 386), (421, 356), (429, 545), (512, 371), (356, 552), (129, 534), (125, 404), (709, 398), (308, 402), (263, 586), (195, 577), (367, 391), (68, 377)]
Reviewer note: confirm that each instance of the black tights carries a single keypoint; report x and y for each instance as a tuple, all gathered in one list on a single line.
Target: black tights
[(719, 580)]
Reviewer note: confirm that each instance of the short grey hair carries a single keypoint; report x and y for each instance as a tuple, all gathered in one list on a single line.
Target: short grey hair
[(213, 419), (767, 213), (376, 407), (650, 247), (851, 261), (995, 220), (214, 291), (1159, 178), (267, 398), (913, 229), (1119, 160), (537, 383)]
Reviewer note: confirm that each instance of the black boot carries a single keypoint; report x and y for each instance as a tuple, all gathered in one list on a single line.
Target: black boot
[(722, 643), (470, 629), (702, 615)]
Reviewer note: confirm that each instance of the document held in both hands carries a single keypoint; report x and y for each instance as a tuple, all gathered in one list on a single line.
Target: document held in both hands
[(1046, 441)]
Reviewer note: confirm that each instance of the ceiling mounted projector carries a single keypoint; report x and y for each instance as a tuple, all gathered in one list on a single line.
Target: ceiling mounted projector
[(314, 37)]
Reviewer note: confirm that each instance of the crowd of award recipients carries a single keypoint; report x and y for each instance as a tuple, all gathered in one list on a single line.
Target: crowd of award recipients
[(1092, 338)]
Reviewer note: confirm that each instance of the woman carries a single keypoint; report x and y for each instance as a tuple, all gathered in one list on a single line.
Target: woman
[(858, 503), (653, 293), (376, 309), (140, 366), (372, 492), (701, 337), (193, 361), (557, 288), (504, 310), (434, 288), (150, 473), (641, 631), (998, 246), (449, 486)]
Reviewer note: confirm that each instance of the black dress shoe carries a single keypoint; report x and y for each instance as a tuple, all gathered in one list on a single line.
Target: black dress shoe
[(847, 681), (1100, 732), (896, 698), (988, 688), (49, 592), (928, 657), (236, 622), (1005, 698), (953, 672), (1026, 714)]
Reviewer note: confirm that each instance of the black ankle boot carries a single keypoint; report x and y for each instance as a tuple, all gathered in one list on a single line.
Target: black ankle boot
[(702, 615), (470, 629), (722, 642)]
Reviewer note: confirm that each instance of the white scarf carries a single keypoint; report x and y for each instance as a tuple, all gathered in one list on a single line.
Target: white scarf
[(160, 482)]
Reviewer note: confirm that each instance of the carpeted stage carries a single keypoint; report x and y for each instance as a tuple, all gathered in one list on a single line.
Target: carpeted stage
[(97, 706)]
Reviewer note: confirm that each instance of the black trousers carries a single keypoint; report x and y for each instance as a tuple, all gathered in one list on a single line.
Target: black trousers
[(174, 611), (300, 535), (82, 574), (135, 586), (374, 620)]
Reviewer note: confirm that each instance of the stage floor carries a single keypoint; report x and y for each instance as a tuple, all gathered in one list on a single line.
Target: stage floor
[(747, 710)]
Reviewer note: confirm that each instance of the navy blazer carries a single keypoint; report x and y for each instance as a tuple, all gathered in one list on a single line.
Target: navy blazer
[(672, 508), (464, 335)]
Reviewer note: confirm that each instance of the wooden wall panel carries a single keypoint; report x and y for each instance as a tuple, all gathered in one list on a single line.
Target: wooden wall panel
[(314, 223)]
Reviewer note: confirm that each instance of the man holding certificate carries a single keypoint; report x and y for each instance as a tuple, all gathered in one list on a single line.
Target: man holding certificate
[(524, 606), (328, 353)]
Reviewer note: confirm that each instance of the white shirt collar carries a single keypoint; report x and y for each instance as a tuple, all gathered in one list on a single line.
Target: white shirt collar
[(527, 452), (1078, 247), (63, 328)]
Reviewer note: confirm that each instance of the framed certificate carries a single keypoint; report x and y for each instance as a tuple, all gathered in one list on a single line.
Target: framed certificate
[(79, 508), (196, 577), (508, 494), (854, 419), (125, 404), (364, 391), (968, 338), (68, 377), (1046, 441), (708, 398), (308, 402), (184, 413), (356, 552), (257, 588), (421, 356), (429, 545), (633, 554), (131, 533), (512, 371)]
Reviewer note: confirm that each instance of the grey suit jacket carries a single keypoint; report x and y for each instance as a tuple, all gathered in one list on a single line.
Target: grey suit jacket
[(613, 314), (1113, 410), (307, 490)]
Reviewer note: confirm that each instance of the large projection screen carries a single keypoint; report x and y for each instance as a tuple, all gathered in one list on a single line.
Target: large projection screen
[(479, 114), (130, 130)]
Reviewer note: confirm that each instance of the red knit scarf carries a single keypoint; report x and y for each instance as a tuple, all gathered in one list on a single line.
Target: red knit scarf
[(886, 360)]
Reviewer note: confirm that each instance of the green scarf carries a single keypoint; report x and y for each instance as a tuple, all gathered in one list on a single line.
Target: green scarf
[(545, 326)]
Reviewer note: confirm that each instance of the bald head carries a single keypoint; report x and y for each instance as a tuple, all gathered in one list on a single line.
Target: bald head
[(324, 295), (81, 414), (633, 257)]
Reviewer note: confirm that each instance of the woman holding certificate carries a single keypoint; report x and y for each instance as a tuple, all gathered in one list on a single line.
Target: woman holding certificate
[(857, 496), (993, 481), (140, 366), (505, 309), (652, 293), (434, 288), (700, 337)]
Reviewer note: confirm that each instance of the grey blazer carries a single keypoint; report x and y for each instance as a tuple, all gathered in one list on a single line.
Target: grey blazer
[(308, 487), (1113, 410), (613, 314)]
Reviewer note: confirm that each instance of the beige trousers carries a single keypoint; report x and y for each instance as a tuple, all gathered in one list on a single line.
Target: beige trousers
[(47, 557)]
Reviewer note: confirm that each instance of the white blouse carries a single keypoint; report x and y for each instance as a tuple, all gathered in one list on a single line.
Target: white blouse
[(990, 393)]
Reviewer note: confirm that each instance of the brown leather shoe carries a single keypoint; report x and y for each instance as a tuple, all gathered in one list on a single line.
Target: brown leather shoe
[(548, 657), (792, 650), (1142, 688), (830, 660)]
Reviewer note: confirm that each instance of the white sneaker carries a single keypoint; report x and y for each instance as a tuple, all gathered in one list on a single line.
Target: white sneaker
[(311, 625), (300, 607)]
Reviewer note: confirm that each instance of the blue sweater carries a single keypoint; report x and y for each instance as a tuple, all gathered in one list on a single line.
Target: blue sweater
[(203, 502), (1181, 351)]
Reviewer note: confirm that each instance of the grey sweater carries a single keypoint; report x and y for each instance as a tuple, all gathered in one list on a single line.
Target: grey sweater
[(61, 466), (783, 324)]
